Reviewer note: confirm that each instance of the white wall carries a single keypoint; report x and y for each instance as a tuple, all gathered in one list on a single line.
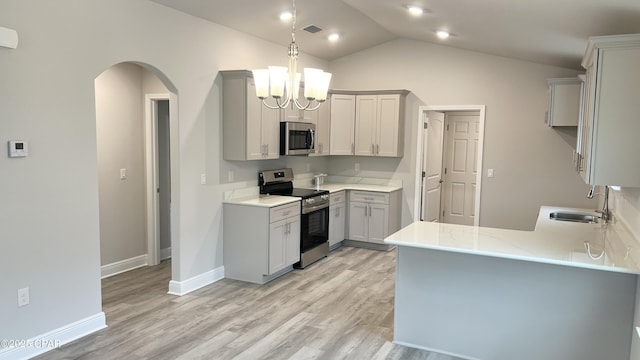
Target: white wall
[(49, 201), (532, 162)]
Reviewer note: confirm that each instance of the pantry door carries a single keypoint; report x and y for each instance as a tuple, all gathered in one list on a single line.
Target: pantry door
[(460, 170)]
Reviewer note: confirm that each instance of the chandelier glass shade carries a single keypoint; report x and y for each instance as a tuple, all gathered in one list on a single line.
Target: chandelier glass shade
[(283, 83)]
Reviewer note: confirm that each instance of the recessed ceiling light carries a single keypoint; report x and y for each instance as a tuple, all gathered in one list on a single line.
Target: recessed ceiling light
[(334, 37), (415, 10), (442, 34), (286, 15)]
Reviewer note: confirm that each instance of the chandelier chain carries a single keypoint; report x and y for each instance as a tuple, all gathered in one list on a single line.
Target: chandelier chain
[(293, 23)]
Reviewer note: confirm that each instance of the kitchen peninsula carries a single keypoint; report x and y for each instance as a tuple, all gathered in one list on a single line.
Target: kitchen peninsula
[(563, 291)]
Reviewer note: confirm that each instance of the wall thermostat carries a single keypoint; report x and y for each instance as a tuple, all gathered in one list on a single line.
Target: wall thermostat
[(18, 148)]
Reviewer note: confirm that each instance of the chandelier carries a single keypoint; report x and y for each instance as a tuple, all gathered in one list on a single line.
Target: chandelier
[(283, 83)]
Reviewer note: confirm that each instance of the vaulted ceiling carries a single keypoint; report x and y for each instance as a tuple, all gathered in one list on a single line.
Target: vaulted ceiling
[(553, 32)]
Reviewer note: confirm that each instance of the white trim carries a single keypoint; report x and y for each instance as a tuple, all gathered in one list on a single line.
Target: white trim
[(119, 267), (433, 350), (165, 253), (419, 150), (55, 338), (184, 287)]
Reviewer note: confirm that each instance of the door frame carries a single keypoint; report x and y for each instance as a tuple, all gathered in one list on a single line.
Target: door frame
[(422, 118), (151, 173)]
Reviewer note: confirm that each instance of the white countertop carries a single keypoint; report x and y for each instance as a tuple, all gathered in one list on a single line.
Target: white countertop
[(263, 200), (552, 241), (334, 187), (251, 196)]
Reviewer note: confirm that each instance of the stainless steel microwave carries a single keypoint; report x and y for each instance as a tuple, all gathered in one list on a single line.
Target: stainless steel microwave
[(297, 138)]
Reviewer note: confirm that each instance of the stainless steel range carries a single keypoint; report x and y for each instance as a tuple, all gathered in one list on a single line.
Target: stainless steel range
[(314, 229)]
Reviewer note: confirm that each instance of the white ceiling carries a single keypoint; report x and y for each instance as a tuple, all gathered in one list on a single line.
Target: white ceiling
[(551, 32)]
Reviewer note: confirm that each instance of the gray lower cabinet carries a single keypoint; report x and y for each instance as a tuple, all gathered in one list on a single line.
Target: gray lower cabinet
[(260, 243), (373, 216), (337, 217)]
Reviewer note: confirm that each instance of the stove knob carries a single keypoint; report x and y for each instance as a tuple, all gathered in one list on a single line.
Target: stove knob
[(310, 201), (325, 197)]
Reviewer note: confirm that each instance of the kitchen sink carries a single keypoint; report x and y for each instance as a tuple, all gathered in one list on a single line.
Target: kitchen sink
[(574, 217)]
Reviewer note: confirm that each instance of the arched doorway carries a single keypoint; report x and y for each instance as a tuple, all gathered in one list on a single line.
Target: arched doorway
[(136, 119)]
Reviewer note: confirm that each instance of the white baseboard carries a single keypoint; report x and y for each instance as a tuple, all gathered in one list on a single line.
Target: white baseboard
[(433, 350), (55, 338), (122, 266), (165, 253), (184, 287)]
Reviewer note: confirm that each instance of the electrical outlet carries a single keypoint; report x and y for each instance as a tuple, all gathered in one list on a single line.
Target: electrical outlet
[(123, 174), (490, 173), (357, 166), (23, 297), (230, 176), (203, 179)]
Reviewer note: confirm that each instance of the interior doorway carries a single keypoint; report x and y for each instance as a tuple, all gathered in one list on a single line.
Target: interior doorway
[(449, 157), (136, 119), (158, 168)]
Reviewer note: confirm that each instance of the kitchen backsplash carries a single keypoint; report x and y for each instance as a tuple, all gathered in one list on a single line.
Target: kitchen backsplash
[(626, 208)]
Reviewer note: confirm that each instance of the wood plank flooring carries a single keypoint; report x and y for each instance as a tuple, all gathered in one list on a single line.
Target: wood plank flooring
[(338, 308)]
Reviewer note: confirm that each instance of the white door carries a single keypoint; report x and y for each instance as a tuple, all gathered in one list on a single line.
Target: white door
[(461, 168), (164, 178), (432, 167)]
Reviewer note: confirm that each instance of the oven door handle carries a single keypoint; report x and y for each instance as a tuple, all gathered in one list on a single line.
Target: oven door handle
[(309, 209)]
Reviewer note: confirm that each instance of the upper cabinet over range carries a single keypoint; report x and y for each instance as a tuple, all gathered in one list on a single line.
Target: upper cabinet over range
[(608, 142)]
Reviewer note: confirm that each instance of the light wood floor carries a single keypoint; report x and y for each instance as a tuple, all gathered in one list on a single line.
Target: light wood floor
[(338, 308)]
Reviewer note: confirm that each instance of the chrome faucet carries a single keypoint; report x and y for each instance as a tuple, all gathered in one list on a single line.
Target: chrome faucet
[(606, 214)]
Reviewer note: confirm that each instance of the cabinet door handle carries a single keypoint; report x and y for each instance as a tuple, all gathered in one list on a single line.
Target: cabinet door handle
[(377, 149), (353, 148), (373, 149)]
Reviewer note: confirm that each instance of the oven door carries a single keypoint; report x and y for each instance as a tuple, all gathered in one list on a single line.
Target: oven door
[(314, 229)]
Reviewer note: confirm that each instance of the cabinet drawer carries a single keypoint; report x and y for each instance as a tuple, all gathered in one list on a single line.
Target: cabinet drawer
[(284, 211), (369, 197), (337, 198)]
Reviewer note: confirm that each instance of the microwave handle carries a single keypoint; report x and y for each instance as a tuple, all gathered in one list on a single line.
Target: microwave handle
[(312, 139)]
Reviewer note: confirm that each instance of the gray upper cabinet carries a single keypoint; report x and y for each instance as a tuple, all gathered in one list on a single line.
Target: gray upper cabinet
[(342, 120), (380, 124), (368, 123), (608, 142), (250, 129), (564, 101)]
